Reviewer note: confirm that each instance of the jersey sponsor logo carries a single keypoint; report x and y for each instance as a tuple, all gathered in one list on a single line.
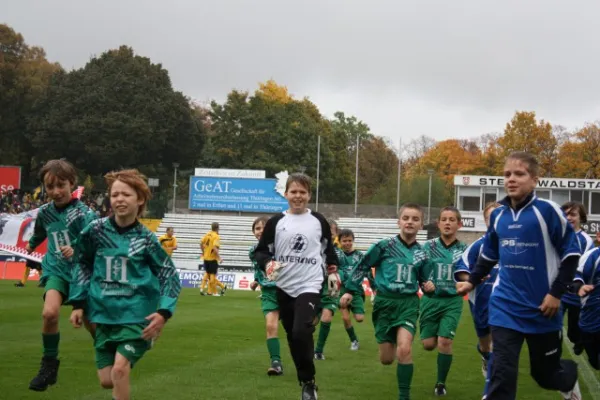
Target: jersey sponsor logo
[(445, 272), (61, 238), (130, 348), (516, 247), (404, 273), (515, 226), (299, 243)]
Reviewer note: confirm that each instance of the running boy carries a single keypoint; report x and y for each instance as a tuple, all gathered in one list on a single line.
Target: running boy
[(571, 303), (588, 286), (295, 247), (126, 282), (399, 263), (268, 302), (538, 253), (60, 221)]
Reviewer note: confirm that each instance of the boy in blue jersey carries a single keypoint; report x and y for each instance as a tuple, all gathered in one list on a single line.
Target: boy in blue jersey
[(538, 252), (479, 300), (588, 285), (571, 303)]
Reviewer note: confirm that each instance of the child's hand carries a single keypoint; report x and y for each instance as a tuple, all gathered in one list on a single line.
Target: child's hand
[(67, 251), (77, 318), (28, 249), (253, 285), (585, 290), (157, 322), (429, 287)]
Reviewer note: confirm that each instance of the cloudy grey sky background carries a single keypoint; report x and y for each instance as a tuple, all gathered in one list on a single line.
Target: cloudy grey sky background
[(446, 69)]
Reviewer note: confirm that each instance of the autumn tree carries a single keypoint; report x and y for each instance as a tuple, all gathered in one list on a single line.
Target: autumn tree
[(525, 133), (579, 157), (24, 75)]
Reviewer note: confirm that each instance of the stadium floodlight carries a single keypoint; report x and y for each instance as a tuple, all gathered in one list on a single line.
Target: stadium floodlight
[(175, 166), (430, 172)]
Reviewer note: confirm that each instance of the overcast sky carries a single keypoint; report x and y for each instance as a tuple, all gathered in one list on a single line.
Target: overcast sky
[(447, 69)]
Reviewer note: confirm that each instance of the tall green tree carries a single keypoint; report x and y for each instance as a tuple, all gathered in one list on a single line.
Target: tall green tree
[(120, 110), (24, 76)]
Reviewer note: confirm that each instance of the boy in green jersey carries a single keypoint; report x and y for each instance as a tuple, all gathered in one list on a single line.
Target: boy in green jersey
[(59, 221), (441, 309), (399, 264), (126, 282), (348, 258), (268, 303)]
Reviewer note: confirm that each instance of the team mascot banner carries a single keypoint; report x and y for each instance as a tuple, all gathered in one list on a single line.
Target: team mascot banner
[(17, 229)]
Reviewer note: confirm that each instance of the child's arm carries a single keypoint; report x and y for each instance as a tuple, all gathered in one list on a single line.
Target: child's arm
[(81, 273), (39, 233)]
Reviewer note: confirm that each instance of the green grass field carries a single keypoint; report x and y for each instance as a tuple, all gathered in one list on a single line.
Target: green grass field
[(214, 348)]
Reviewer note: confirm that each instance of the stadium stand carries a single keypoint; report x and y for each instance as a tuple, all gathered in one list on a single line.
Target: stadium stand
[(236, 236)]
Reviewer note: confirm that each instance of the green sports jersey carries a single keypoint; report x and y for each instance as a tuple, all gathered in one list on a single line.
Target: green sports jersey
[(398, 268), (122, 274), (442, 264), (61, 226), (347, 262), (259, 274)]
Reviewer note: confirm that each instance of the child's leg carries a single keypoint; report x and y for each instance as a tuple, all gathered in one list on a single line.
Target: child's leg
[(387, 353), (405, 368), (120, 377), (272, 325), (211, 284), (50, 314), (444, 360), (105, 378), (204, 282), (326, 318)]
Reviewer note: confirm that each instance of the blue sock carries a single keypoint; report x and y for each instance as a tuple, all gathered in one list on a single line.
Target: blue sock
[(489, 373)]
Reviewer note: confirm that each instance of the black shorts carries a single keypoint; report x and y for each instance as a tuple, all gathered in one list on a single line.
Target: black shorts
[(33, 265), (211, 266), (591, 343)]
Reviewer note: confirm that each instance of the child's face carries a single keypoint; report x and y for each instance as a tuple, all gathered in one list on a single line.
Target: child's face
[(574, 218), (347, 243), (258, 229), (124, 200), (297, 196), (410, 221), (518, 182), (448, 223), (169, 232), (58, 190)]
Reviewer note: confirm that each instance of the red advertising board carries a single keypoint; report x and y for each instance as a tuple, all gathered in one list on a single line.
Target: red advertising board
[(10, 178)]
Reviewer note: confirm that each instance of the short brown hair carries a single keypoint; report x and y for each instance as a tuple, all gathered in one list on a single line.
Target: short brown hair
[(569, 205), (214, 226), (133, 178), (413, 206), (533, 165), (490, 205), (62, 169), (262, 219), (300, 179), (452, 209)]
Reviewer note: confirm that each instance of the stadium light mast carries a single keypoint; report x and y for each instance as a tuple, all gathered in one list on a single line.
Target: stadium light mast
[(318, 170), (399, 173), (356, 178), (430, 172), (175, 165)]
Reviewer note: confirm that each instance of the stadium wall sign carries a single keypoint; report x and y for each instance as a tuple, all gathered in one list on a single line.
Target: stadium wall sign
[(545, 183), (238, 194)]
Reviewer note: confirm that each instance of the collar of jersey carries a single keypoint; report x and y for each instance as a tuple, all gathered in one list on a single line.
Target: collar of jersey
[(444, 244), (63, 208), (404, 243), (122, 229), (506, 201)]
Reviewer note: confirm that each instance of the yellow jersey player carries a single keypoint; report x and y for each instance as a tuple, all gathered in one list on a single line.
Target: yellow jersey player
[(210, 245), (168, 242)]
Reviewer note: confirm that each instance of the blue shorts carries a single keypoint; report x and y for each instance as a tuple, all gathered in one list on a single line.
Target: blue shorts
[(480, 320)]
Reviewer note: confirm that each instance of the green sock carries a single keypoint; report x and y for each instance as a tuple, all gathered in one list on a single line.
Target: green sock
[(273, 347), (323, 333), (404, 374), (351, 334), (50, 341), (444, 362)]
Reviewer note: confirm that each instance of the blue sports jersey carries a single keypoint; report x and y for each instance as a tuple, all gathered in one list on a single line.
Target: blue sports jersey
[(585, 243), (589, 273), (480, 297), (530, 244)]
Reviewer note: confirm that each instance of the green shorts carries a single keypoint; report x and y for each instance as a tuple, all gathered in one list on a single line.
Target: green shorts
[(59, 284), (357, 305), (124, 339), (440, 316), (268, 300), (390, 314)]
